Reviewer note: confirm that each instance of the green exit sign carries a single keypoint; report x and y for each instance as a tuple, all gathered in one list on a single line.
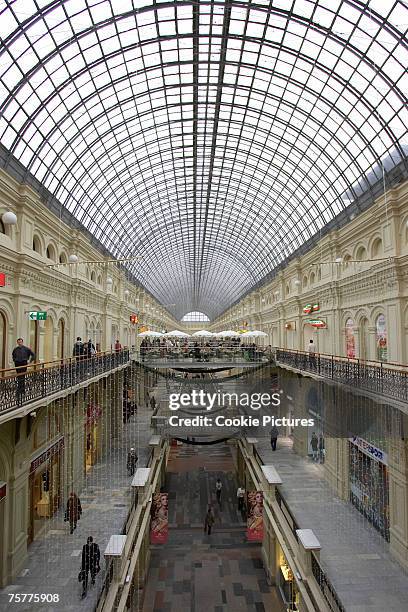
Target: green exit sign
[(37, 315)]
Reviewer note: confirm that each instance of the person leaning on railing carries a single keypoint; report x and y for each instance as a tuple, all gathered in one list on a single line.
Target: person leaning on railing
[(21, 356)]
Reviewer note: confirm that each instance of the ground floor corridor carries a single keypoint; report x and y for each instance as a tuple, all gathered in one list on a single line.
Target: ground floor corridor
[(196, 572)]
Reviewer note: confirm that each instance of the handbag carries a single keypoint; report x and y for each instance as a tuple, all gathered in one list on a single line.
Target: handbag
[(81, 576)]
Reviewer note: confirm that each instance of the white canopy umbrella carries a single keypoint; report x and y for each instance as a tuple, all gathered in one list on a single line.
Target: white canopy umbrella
[(255, 334), (153, 334), (203, 333), (176, 334), (229, 333)]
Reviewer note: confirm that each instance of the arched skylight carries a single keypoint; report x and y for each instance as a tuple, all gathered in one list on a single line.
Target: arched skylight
[(213, 138), (195, 317)]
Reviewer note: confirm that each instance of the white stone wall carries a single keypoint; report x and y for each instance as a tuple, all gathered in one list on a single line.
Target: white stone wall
[(378, 284), (78, 294)]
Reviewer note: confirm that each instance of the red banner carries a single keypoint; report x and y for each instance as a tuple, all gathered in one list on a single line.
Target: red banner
[(93, 412), (159, 526), (255, 516)]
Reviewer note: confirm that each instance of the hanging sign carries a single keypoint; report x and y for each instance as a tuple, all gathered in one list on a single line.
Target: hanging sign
[(134, 318), (53, 450), (317, 323), (311, 308), (93, 412), (369, 449), (37, 315), (315, 307), (2, 279), (159, 526), (254, 530)]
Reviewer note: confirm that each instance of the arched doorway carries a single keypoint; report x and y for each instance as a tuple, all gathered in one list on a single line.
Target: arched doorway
[(363, 339), (3, 338), (49, 340), (61, 339)]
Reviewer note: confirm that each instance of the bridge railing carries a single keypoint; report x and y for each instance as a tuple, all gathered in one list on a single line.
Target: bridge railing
[(188, 353), (26, 384), (389, 379)]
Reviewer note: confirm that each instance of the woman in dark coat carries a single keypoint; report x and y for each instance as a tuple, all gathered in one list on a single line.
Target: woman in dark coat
[(73, 511)]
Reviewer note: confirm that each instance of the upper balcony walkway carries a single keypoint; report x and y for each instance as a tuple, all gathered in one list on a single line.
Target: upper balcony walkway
[(201, 358), (24, 388), (389, 380)]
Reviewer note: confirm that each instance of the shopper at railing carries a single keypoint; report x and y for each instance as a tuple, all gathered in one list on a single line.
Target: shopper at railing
[(21, 356)]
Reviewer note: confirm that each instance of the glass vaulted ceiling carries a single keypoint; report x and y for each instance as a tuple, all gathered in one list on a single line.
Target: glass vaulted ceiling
[(212, 138)]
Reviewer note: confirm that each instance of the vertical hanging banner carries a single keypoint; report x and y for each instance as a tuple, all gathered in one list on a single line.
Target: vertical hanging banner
[(159, 526), (255, 516)]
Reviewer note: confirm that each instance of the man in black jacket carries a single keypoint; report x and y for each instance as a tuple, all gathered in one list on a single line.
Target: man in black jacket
[(90, 562), (21, 355)]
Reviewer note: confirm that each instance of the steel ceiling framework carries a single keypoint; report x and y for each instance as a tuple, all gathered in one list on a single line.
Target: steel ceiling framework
[(214, 138)]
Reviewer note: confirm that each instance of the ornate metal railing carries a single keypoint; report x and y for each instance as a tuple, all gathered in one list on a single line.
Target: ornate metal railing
[(326, 587), (389, 379), (24, 385)]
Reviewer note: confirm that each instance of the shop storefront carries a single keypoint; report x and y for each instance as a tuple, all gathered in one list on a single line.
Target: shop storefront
[(369, 483), (45, 486), (92, 433), (350, 339), (287, 584), (381, 338)]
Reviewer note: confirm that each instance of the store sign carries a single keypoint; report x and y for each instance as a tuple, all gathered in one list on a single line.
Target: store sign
[(290, 325), (369, 449), (37, 315), (134, 318), (53, 450), (3, 490), (2, 279), (93, 412)]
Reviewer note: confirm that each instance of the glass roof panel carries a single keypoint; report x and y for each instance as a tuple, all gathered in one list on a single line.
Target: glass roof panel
[(216, 137)]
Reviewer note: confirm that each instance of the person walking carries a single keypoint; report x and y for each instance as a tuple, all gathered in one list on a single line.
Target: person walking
[(90, 563), (218, 490), (131, 461), (209, 520), (118, 346), (312, 354), (73, 511), (314, 443), (274, 437), (21, 356), (322, 449), (240, 498), (152, 402)]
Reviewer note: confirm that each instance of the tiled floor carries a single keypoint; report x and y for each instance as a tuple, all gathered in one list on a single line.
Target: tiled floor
[(354, 554), (54, 558), (195, 572)]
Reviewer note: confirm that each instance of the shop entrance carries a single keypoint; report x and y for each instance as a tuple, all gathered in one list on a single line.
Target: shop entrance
[(44, 489), (91, 446)]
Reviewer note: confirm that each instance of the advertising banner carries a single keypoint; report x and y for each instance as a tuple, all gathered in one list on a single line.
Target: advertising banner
[(255, 516), (159, 526)]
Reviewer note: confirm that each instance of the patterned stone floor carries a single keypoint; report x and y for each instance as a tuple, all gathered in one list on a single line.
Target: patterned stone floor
[(195, 572), (54, 558), (355, 556)]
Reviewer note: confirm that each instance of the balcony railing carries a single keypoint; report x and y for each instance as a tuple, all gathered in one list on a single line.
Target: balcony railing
[(26, 384), (389, 379)]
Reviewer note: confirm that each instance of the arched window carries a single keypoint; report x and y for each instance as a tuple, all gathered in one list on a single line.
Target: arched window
[(36, 244), (2, 227), (304, 281), (377, 248), (361, 254), (63, 258), (195, 317), (381, 338), (50, 252), (99, 280), (312, 278), (93, 276)]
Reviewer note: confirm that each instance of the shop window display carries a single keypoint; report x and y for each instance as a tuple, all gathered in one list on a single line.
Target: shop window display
[(369, 484)]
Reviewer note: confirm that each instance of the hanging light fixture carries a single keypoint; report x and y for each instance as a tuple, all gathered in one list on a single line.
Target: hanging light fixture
[(126, 292), (109, 281), (73, 258), (9, 218)]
